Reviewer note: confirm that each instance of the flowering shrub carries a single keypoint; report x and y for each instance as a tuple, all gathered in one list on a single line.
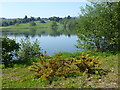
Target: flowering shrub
[(50, 67), (89, 64)]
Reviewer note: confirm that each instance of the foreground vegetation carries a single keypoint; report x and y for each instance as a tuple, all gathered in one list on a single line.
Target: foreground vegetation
[(63, 70), (96, 27), (21, 77)]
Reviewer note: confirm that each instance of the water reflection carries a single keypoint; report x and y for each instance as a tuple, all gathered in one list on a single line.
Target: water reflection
[(53, 41), (33, 31)]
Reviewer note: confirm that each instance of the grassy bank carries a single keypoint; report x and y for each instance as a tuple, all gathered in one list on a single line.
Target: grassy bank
[(21, 77), (25, 27), (39, 29)]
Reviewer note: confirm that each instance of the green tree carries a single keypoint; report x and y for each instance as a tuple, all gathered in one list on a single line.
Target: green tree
[(32, 23), (9, 48), (98, 26), (25, 17), (42, 21), (54, 25), (28, 50), (5, 23), (17, 24), (38, 19), (32, 19)]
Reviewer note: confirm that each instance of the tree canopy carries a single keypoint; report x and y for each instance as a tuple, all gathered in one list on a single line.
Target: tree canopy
[(98, 26)]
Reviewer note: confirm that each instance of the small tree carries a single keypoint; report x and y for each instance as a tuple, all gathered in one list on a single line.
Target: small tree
[(17, 24), (38, 19), (28, 49), (25, 17), (54, 25), (9, 48), (32, 23), (42, 21)]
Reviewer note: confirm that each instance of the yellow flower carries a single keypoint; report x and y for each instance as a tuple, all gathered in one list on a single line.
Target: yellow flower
[(29, 68), (96, 65), (82, 56), (21, 80), (38, 79), (96, 72), (87, 55), (93, 57), (83, 53), (97, 58), (34, 63), (100, 62), (63, 77)]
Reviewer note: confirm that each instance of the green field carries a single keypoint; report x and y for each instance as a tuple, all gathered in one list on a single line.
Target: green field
[(39, 29), (25, 27), (21, 77)]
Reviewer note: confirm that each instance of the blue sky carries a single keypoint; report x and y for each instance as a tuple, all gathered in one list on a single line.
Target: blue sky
[(40, 9)]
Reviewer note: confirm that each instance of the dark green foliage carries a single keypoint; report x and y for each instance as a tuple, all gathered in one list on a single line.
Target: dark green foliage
[(98, 26), (4, 23), (38, 19), (69, 24), (32, 19), (25, 17), (32, 23), (68, 17), (8, 22), (54, 25), (57, 19), (9, 48), (17, 24), (42, 21)]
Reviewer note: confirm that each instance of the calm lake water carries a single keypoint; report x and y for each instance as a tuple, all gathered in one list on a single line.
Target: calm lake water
[(51, 44)]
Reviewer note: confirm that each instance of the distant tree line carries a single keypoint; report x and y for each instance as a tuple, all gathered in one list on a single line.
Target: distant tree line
[(7, 22), (17, 21)]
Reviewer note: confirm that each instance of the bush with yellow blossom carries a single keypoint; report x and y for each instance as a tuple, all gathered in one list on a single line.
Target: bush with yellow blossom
[(49, 67)]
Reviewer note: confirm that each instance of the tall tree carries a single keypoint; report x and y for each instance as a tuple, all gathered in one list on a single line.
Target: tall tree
[(38, 19), (25, 17), (98, 26)]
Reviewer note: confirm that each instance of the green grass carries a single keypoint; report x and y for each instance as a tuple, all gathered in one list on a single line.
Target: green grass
[(26, 25), (38, 25), (40, 28), (21, 77)]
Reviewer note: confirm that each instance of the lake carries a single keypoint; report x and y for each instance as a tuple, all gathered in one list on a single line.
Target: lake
[(50, 44)]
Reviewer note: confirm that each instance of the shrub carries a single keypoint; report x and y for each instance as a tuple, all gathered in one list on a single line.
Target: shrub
[(42, 21), (28, 49), (50, 68), (53, 67), (32, 23), (17, 24), (89, 64), (54, 25), (9, 48)]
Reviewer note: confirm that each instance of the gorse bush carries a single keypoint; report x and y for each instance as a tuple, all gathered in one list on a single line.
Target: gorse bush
[(49, 67), (89, 64)]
